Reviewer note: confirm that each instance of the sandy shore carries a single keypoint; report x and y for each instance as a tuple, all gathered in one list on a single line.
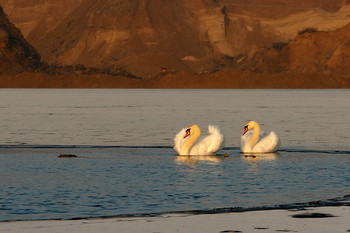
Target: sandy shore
[(318, 220)]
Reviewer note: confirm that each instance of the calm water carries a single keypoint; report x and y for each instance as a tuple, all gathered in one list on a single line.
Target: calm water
[(126, 164)]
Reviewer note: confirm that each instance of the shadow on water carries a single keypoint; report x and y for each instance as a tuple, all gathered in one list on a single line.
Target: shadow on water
[(289, 150), (333, 202), (336, 152)]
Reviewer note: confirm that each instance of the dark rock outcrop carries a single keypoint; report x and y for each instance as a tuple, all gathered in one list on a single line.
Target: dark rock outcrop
[(16, 54)]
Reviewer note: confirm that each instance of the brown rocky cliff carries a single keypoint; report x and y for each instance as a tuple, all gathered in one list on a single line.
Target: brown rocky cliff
[(211, 38), (327, 52), (145, 35), (310, 52), (16, 55)]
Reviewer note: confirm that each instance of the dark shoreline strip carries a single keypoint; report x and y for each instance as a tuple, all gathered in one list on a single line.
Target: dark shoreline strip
[(334, 202), (78, 147), (25, 146)]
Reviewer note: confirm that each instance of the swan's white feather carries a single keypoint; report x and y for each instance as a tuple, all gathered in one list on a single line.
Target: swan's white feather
[(207, 145), (218, 140), (210, 144), (247, 136), (269, 143), (178, 140)]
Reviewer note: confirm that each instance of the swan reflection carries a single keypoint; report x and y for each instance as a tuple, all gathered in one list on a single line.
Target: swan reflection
[(253, 157), (193, 159)]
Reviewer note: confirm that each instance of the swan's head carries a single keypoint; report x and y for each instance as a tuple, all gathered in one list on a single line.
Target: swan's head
[(248, 126), (190, 130)]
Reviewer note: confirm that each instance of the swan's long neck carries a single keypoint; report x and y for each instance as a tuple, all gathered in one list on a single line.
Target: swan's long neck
[(256, 135), (187, 145)]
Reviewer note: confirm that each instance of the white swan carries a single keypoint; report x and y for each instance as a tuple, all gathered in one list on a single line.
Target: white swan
[(250, 142), (185, 139)]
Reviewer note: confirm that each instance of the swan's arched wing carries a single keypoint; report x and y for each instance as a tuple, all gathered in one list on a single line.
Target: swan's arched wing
[(179, 139), (218, 139), (267, 144), (210, 144)]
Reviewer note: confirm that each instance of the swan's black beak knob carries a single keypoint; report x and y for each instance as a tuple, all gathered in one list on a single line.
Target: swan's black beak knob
[(245, 129), (188, 132)]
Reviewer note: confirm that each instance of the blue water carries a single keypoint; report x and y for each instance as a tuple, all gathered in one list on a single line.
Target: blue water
[(126, 164)]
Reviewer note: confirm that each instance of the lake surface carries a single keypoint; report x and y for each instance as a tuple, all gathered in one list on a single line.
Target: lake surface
[(126, 163)]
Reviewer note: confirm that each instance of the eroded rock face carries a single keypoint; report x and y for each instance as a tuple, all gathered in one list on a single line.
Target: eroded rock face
[(16, 55), (145, 35), (309, 52)]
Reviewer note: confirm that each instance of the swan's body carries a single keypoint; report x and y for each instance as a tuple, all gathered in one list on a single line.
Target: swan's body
[(250, 142), (185, 141)]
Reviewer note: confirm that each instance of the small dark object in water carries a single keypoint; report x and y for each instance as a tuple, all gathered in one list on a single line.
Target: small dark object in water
[(250, 156), (231, 231), (67, 156), (261, 228), (313, 215), (226, 155), (315, 202)]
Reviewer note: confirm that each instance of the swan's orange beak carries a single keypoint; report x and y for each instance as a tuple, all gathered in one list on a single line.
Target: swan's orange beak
[(188, 132), (245, 130)]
